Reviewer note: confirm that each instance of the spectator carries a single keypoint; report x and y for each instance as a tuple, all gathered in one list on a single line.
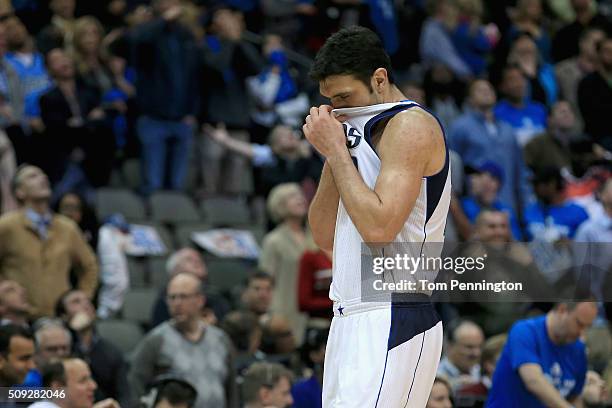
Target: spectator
[(244, 330), (75, 207), (167, 63), (552, 217), (53, 341), (187, 346), (103, 72), (14, 305), (170, 391), (16, 354), (281, 251), (76, 129), (231, 60), (544, 360), (29, 66), (7, 172), (285, 159), (539, 74), (566, 41), (560, 146), (591, 240), (314, 281), (188, 260), (436, 45), (60, 32), (595, 96), (461, 364), (30, 233), (114, 272), (440, 394), (257, 296), (108, 366), (275, 90), (71, 379), (528, 19), (473, 40), (477, 393), (570, 71), (308, 393), (414, 91), (277, 337), (594, 393), (475, 132), (267, 385), (12, 106), (526, 117), (485, 184)]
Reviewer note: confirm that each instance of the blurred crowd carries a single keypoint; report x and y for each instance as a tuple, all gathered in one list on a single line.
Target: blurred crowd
[(203, 101)]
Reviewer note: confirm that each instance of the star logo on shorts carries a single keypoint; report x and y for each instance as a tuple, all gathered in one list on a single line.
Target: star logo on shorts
[(341, 311)]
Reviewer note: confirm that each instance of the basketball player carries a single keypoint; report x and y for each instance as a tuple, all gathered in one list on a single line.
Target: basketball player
[(386, 179)]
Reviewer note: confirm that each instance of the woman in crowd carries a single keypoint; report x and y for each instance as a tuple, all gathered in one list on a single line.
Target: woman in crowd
[(282, 249)]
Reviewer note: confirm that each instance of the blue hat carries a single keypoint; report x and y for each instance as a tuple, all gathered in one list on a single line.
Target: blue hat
[(493, 169), (118, 221)]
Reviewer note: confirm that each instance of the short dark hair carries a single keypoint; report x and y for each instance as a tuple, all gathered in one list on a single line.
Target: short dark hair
[(176, 392), (239, 326), (262, 374), (53, 371), (7, 332), (356, 51), (259, 275)]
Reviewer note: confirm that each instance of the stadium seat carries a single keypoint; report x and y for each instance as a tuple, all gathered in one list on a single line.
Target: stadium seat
[(172, 207), (182, 233), (131, 173), (226, 274), (122, 333), (157, 271), (138, 273), (116, 200), (138, 305), (222, 211)]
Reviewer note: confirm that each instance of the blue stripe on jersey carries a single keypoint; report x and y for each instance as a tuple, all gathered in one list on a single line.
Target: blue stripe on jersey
[(436, 182), (389, 112), (411, 318)]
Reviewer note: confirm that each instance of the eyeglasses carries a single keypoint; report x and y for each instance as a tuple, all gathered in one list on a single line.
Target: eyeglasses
[(180, 296)]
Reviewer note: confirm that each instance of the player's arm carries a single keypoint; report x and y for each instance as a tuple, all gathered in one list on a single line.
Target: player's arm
[(536, 383), (407, 149), (323, 210), (577, 402)]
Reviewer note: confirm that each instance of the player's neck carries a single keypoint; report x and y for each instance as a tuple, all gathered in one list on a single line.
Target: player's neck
[(393, 95)]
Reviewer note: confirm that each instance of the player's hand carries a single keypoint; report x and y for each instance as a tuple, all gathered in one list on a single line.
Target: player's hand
[(324, 131)]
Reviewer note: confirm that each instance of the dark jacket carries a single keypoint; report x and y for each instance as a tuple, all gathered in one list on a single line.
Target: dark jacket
[(168, 63)]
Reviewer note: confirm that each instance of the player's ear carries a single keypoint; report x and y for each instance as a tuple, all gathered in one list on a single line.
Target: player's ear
[(379, 80)]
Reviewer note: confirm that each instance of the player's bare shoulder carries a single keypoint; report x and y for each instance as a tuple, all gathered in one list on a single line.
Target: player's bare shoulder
[(416, 134)]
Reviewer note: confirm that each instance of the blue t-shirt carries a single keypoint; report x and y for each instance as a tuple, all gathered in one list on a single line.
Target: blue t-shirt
[(307, 394), (564, 219), (563, 366), (527, 122), (472, 208)]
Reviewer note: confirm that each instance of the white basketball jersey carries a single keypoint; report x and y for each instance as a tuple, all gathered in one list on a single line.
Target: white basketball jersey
[(425, 223)]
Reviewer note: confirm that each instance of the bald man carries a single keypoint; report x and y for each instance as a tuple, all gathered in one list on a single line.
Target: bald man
[(461, 364), (187, 346)]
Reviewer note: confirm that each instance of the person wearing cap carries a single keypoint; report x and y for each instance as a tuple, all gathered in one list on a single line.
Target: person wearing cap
[(40, 249), (114, 273), (485, 183)]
